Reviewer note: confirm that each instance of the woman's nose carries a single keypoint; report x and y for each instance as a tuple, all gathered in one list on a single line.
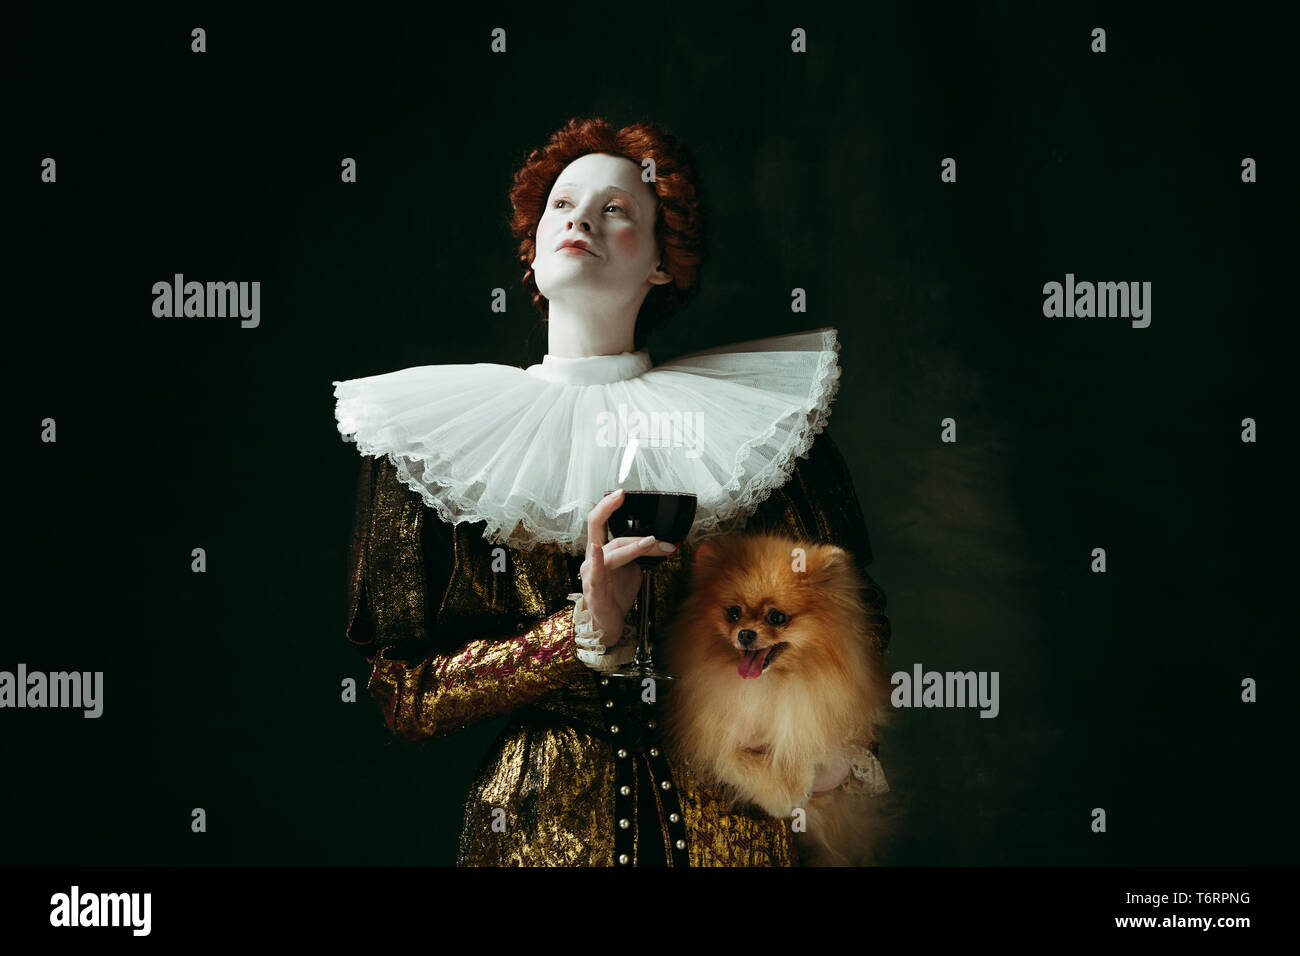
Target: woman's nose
[(580, 217)]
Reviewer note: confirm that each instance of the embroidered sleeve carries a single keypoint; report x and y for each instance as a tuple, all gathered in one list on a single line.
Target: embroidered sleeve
[(466, 680), (485, 678)]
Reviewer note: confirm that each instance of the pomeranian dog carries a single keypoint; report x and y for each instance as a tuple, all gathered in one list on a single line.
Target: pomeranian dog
[(782, 688)]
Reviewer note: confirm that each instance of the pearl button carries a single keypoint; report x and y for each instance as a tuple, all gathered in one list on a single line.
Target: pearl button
[(666, 785), (625, 790), (622, 858), (651, 725), (622, 752), (613, 728), (681, 844), (609, 703), (624, 824), (654, 751), (673, 818), (604, 682)]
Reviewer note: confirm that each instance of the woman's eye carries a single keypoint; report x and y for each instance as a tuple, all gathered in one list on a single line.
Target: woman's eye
[(776, 617), (733, 614), (556, 205)]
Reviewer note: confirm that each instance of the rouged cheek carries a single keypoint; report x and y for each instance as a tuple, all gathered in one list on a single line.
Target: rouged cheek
[(628, 241)]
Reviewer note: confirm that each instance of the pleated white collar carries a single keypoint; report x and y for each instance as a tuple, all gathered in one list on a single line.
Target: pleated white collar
[(530, 451)]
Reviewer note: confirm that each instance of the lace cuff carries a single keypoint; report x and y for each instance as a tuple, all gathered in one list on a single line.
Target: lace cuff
[(865, 773), (591, 651)]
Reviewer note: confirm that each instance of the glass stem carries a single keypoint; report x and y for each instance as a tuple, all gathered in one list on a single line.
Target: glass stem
[(643, 615)]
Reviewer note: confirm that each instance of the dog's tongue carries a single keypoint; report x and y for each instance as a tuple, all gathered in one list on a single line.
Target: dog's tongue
[(752, 663)]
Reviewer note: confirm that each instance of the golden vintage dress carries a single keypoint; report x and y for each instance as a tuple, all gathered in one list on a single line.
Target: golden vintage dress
[(459, 628)]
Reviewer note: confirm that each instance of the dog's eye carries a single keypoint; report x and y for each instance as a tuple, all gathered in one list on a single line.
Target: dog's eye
[(733, 614), (776, 617)]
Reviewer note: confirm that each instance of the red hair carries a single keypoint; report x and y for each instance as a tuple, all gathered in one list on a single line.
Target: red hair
[(679, 213)]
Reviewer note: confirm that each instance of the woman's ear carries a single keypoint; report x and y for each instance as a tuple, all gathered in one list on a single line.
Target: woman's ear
[(657, 275)]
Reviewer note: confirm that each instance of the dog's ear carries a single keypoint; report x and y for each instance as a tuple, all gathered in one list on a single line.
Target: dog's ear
[(707, 559), (831, 562), (707, 552), (835, 556)]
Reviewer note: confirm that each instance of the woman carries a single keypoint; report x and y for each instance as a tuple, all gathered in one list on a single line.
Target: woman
[(475, 517)]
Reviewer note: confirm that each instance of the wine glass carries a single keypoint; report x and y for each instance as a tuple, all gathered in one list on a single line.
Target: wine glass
[(668, 515)]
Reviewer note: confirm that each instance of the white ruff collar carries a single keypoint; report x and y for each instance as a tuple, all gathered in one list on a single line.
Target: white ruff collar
[(531, 451)]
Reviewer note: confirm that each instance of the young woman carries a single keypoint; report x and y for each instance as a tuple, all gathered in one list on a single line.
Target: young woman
[(482, 504)]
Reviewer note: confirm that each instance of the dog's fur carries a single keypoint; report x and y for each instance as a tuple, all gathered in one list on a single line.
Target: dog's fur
[(826, 693)]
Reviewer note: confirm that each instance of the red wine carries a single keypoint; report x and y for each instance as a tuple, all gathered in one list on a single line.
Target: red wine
[(668, 515)]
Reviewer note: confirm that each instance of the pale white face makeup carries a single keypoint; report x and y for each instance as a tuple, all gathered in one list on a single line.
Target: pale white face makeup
[(598, 202)]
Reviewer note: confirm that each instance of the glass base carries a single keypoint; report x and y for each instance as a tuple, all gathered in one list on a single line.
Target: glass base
[(641, 671)]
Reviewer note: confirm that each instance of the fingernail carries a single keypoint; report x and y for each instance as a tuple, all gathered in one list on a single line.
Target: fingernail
[(646, 540), (665, 546)]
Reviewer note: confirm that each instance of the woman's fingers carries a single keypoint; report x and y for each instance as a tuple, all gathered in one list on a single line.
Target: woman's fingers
[(597, 518), (596, 564), (616, 557), (602, 556)]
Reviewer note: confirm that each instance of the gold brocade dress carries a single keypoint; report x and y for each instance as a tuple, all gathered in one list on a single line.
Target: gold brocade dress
[(555, 790)]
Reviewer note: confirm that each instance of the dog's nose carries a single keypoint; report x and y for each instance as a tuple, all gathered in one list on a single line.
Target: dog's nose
[(747, 637)]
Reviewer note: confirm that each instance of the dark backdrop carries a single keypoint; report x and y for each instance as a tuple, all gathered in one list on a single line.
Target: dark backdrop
[(222, 690)]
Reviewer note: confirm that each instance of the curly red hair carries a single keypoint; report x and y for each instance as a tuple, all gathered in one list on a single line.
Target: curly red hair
[(679, 215)]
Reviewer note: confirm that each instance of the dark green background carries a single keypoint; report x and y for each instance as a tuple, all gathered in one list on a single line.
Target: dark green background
[(222, 690)]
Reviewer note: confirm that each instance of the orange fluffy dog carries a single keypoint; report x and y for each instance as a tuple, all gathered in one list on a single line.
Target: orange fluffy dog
[(782, 688)]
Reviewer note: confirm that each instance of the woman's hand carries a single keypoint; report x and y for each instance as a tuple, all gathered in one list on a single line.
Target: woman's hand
[(610, 581)]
